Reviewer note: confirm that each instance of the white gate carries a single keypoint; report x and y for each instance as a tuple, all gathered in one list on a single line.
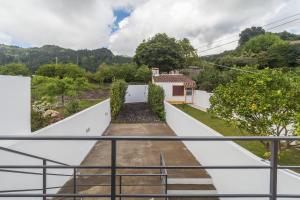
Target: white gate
[(136, 93)]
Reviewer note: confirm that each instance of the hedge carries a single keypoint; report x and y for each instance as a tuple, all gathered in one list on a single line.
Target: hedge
[(156, 98), (117, 96)]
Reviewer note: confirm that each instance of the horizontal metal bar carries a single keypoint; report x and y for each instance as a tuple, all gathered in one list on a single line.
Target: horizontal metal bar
[(30, 155), (152, 195), (196, 167), (32, 173), (288, 167), (140, 195), (154, 138)]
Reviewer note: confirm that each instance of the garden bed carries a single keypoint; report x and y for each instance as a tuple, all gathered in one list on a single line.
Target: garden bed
[(136, 113)]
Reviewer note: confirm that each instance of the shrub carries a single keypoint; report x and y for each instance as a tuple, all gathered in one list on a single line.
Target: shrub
[(117, 96), (72, 107), (156, 98)]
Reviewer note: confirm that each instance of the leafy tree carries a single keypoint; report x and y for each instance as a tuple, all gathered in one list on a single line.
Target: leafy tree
[(160, 51), (14, 69), (61, 70), (288, 36), (212, 77), (284, 55), (53, 87), (261, 103), (189, 53), (143, 74), (262, 43), (249, 33)]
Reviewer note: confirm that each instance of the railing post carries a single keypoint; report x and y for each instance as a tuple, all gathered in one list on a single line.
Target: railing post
[(74, 182), (44, 179), (273, 170), (113, 169), (166, 186), (120, 187)]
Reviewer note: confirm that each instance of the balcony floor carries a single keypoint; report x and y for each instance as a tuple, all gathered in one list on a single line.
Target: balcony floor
[(141, 153)]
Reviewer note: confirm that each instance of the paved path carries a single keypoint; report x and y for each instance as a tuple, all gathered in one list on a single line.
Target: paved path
[(141, 153)]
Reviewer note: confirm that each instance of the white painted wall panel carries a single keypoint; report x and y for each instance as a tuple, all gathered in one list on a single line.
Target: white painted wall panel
[(136, 93), (228, 153), (92, 121), (14, 105), (168, 88), (201, 99)]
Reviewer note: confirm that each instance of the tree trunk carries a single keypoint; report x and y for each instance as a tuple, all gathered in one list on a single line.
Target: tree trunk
[(63, 100)]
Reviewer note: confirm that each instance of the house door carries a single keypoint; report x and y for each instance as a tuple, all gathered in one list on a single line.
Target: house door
[(188, 95)]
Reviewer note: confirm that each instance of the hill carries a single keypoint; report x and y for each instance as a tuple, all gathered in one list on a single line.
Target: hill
[(37, 56)]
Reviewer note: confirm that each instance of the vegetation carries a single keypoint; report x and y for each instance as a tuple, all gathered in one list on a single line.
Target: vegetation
[(117, 96), (128, 72), (35, 57), (61, 70), (166, 53), (156, 98), (257, 48), (212, 77), (287, 157), (261, 103), (249, 33), (14, 69), (53, 87)]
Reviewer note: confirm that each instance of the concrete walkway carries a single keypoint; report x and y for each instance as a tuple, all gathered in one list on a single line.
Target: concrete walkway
[(141, 153)]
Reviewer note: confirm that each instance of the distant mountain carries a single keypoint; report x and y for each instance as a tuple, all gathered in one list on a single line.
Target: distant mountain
[(35, 57)]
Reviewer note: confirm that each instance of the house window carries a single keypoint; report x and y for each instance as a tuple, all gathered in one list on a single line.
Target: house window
[(178, 90), (189, 92)]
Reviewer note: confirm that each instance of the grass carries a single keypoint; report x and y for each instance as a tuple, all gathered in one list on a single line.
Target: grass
[(288, 157)]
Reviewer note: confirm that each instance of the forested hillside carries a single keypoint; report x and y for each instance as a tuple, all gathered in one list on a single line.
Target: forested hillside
[(35, 57)]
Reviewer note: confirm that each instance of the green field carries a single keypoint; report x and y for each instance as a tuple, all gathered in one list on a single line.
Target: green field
[(288, 157)]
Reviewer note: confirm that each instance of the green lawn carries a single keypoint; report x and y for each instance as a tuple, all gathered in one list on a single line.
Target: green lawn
[(289, 157)]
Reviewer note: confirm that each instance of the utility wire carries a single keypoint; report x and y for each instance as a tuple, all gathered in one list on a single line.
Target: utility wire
[(237, 35), (228, 67), (238, 40)]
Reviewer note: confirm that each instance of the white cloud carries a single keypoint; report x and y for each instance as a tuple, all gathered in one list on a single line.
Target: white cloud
[(68, 23), (87, 24), (202, 21)]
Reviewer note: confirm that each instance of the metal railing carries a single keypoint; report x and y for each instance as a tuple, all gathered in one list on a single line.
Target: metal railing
[(113, 167)]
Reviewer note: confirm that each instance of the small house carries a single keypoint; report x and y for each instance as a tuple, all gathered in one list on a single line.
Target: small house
[(178, 88)]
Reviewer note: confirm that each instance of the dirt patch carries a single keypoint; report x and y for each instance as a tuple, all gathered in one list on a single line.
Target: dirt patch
[(137, 113)]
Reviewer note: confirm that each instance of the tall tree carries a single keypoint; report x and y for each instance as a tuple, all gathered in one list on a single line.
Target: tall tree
[(160, 51), (189, 53), (249, 33)]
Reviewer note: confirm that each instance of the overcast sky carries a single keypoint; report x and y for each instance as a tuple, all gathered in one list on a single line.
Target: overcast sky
[(122, 24)]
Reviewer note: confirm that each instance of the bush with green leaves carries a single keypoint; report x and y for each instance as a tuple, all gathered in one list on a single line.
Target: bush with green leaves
[(117, 96), (156, 98), (14, 69), (72, 107)]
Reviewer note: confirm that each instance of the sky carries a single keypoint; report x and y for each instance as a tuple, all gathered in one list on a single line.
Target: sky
[(121, 25)]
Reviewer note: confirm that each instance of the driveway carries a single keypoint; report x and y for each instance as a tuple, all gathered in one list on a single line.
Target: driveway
[(141, 153)]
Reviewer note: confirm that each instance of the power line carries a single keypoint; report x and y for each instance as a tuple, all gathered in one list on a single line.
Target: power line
[(228, 67), (237, 35), (238, 40)]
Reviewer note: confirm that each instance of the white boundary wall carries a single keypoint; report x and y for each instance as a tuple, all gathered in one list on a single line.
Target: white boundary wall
[(92, 121), (14, 105), (228, 153), (136, 93), (201, 99)]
